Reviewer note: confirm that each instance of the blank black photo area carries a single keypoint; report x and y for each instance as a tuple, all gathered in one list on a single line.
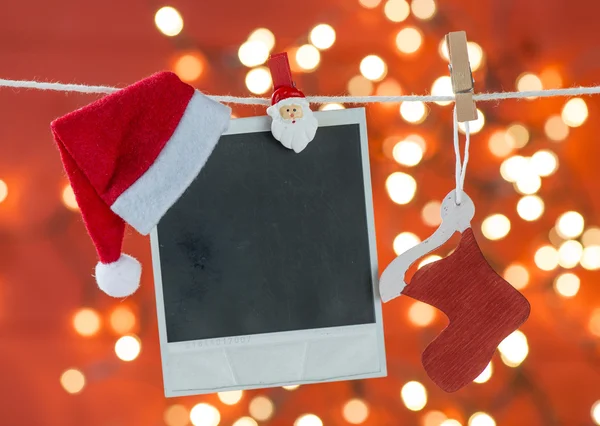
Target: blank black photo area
[(266, 240)]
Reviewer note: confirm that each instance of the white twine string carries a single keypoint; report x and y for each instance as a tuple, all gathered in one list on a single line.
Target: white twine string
[(461, 170), (82, 88)]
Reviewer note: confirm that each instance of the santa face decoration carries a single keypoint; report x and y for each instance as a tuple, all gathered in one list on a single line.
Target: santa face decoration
[(294, 124)]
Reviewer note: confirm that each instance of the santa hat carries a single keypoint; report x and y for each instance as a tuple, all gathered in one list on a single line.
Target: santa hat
[(286, 95), (129, 156)]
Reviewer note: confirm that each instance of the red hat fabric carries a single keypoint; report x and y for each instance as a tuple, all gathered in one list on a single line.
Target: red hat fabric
[(285, 92), (129, 156)]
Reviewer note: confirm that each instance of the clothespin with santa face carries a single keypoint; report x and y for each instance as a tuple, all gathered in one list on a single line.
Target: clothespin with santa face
[(294, 124)]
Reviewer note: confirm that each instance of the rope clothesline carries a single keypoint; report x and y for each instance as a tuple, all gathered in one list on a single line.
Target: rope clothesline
[(83, 88)]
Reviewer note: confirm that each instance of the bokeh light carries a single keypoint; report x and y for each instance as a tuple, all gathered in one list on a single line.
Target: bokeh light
[(591, 237), (423, 9), (408, 153), (261, 408), (308, 420), (431, 213), (570, 224), (495, 227), (308, 57), (544, 162), (442, 86), (204, 414), (551, 78), (513, 168), (128, 347), (122, 320), (413, 112), (594, 323), (291, 387), (443, 50), (514, 349), (409, 40), (265, 36), (389, 87), (485, 375), (414, 396), (501, 144), (421, 314), (590, 258), (546, 258), (575, 112), (230, 397), (529, 82), (528, 182), (405, 241), (245, 421), (168, 21), (530, 207), (451, 422), (253, 53), (86, 322), (258, 80), (475, 53), (189, 67), (373, 68), (595, 412), (72, 381), (517, 275), (4, 191), (429, 259), (322, 36), (68, 197), (355, 411), (475, 126), (519, 134), (176, 415), (569, 254), (331, 107), (396, 10), (481, 419), (433, 418), (556, 129), (360, 86), (401, 187), (369, 4), (567, 284)]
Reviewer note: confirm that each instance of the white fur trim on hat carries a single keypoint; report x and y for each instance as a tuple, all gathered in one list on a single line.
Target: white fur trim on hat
[(120, 278)]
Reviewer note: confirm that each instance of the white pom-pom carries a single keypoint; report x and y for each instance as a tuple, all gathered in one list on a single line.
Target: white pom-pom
[(120, 278)]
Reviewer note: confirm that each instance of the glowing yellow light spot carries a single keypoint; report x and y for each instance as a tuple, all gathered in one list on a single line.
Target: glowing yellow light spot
[(122, 320), (475, 126), (421, 314), (373, 68), (485, 375), (423, 9), (451, 422), (68, 198), (396, 10), (261, 408), (86, 322), (389, 87), (596, 412), (355, 411), (176, 415), (556, 129), (594, 324), (401, 187), (528, 182), (408, 153), (591, 237), (414, 396), (434, 418), (590, 259), (128, 348), (413, 112), (369, 4), (204, 414), (72, 380), (517, 275), (529, 82), (431, 213), (501, 143), (331, 107), (360, 86), (481, 419), (291, 387), (514, 349), (443, 50), (188, 67), (442, 86), (258, 80), (475, 53), (308, 57), (253, 53), (519, 133), (544, 162), (245, 421), (409, 40), (567, 284), (551, 78), (4, 191), (308, 420), (530, 207), (570, 225), (230, 397), (495, 227), (513, 168), (546, 258), (570, 253), (429, 259), (575, 112), (405, 241), (168, 21), (322, 36), (263, 35)]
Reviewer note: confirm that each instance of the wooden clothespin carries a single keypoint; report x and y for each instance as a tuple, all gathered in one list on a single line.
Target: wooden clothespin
[(462, 77)]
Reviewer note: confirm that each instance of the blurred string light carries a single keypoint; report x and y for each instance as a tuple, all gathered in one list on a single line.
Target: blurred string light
[(86, 322), (389, 87), (517, 275), (528, 182), (189, 67), (291, 387), (433, 418), (396, 10), (443, 50), (373, 68), (261, 408), (168, 21), (414, 396), (519, 134), (413, 112), (527, 82), (500, 143), (204, 414), (595, 412), (68, 197), (556, 129), (594, 324), (230, 397), (355, 411), (369, 4), (567, 284), (331, 107), (3, 190), (128, 347), (575, 112), (475, 53), (429, 259), (485, 375), (360, 86), (495, 227), (546, 258), (451, 422), (308, 57), (551, 78), (253, 53), (407, 152), (442, 86), (409, 40), (258, 80), (544, 162), (308, 420), (72, 381), (245, 421), (265, 36), (591, 237), (431, 213), (122, 320), (530, 207), (405, 241), (475, 126), (513, 168), (481, 419), (421, 314), (554, 238), (423, 9), (176, 415), (569, 254), (322, 36), (570, 225), (401, 187), (590, 258), (514, 349)]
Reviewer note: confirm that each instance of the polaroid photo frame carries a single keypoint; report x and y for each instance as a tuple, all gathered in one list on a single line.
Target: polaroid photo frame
[(266, 269)]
